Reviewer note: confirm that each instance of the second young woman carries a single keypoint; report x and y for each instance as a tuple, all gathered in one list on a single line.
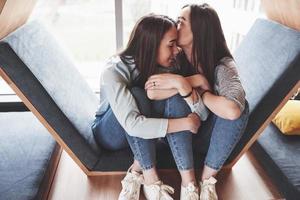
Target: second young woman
[(216, 82)]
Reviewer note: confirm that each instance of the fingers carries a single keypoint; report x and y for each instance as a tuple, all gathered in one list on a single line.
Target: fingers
[(155, 77), (193, 115), (196, 122), (150, 84), (194, 130), (160, 81), (161, 76)]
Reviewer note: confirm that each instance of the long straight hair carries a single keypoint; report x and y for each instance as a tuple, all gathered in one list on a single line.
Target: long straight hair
[(143, 45), (209, 44)]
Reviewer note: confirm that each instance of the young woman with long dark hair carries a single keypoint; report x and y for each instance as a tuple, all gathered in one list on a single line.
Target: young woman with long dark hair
[(216, 83), (125, 115)]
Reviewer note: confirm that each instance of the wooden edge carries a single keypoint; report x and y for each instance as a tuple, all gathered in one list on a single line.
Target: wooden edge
[(14, 13), (50, 173), (43, 121), (2, 3), (284, 12), (263, 126), (98, 173)]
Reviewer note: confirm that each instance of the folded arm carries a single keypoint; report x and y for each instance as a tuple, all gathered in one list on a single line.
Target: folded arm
[(163, 86), (230, 101), (125, 108)]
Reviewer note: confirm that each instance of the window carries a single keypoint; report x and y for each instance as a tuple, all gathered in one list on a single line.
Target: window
[(87, 28), (134, 9)]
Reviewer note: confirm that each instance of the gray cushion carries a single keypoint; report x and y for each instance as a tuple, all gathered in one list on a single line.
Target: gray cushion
[(279, 156), (26, 149), (266, 52), (55, 70), (268, 62), (31, 88), (251, 54)]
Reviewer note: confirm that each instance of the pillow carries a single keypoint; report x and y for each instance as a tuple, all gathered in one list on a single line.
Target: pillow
[(288, 118), (297, 95), (54, 68)]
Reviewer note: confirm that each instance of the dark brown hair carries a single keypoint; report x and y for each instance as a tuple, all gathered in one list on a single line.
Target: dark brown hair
[(209, 44), (143, 45)]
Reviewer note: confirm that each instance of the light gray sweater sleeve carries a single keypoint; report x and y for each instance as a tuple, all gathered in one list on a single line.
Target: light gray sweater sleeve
[(199, 108), (115, 86)]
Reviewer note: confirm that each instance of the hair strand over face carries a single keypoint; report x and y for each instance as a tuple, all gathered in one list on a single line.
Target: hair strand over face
[(143, 45), (209, 44)]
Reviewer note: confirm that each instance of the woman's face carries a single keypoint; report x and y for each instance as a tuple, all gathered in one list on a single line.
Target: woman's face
[(185, 35), (168, 49)]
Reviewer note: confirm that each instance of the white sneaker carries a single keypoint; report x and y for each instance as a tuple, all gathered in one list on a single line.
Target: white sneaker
[(190, 192), (131, 186), (208, 189), (158, 191)]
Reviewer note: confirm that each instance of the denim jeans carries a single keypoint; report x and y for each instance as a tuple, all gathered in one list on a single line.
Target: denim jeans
[(220, 137), (110, 135)]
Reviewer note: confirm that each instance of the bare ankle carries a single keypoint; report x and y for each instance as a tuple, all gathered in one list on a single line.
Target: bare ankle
[(136, 167), (208, 172), (187, 176), (150, 176)]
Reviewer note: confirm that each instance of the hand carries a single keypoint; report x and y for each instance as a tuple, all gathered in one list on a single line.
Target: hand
[(204, 82), (195, 122), (199, 80), (165, 81)]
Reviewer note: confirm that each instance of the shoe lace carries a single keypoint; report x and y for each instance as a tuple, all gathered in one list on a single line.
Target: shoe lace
[(164, 191), (131, 185), (192, 192), (209, 188)]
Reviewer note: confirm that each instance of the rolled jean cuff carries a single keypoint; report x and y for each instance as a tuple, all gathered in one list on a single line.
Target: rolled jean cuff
[(185, 168), (217, 168), (147, 167)]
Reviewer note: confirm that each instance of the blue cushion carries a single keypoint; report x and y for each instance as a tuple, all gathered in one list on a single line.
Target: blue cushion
[(26, 149), (36, 94), (266, 52), (279, 156), (268, 62), (57, 73)]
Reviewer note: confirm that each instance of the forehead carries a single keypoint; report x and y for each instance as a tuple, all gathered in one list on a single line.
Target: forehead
[(170, 35), (185, 12)]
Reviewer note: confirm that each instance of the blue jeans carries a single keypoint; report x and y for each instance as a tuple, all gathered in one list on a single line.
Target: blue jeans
[(110, 135), (220, 137)]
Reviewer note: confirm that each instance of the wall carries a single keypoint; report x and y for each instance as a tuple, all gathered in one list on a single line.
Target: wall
[(13, 14), (286, 12)]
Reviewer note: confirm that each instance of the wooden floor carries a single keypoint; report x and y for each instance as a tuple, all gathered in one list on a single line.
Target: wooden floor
[(246, 181)]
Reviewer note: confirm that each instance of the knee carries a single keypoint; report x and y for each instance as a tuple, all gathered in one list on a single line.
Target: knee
[(114, 145), (142, 100), (113, 141), (110, 142), (176, 106)]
